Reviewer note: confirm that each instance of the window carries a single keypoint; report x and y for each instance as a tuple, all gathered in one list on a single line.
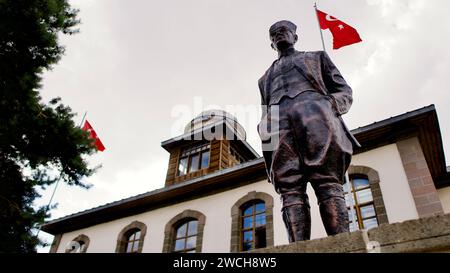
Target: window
[(360, 195), (186, 237), (131, 238), (205, 159), (253, 228), (193, 159), (182, 166), (241, 210), (78, 245), (184, 232)]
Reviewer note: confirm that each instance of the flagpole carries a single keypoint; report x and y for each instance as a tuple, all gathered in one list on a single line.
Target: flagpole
[(59, 179), (320, 29), (350, 199), (84, 116)]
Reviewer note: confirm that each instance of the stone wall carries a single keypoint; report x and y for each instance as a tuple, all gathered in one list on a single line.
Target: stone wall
[(419, 178), (428, 234)]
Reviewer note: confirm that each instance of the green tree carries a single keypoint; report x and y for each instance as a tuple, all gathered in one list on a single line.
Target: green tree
[(37, 139)]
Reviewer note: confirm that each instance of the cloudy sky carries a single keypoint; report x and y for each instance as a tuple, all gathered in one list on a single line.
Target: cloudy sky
[(142, 69)]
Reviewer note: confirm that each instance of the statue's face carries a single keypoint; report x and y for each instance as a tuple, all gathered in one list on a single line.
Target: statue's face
[(283, 38)]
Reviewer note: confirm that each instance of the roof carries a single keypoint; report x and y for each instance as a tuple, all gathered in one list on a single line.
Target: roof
[(228, 130), (213, 116), (225, 179), (422, 123)]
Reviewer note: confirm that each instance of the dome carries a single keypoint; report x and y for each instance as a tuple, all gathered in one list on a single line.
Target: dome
[(213, 116)]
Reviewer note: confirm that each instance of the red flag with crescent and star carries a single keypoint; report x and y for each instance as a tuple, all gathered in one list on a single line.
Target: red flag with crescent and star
[(343, 34), (96, 140)]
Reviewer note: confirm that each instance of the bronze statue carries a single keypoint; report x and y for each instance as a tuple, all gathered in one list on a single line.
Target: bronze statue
[(314, 145)]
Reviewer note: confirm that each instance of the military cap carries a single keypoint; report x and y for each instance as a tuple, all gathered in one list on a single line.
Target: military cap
[(284, 23)]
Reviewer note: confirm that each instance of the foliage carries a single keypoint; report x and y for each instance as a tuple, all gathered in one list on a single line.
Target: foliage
[(37, 139)]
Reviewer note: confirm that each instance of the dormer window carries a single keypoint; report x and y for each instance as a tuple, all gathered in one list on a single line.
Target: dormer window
[(194, 158)]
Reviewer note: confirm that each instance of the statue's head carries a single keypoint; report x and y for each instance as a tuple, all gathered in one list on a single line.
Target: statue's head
[(282, 35)]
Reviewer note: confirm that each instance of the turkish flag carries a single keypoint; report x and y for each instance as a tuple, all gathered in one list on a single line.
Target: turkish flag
[(97, 142), (343, 34)]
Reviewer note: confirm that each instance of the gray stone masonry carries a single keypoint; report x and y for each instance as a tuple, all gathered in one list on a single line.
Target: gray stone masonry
[(428, 234)]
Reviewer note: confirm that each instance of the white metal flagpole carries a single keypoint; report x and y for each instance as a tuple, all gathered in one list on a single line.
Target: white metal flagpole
[(84, 116), (320, 29), (350, 199), (59, 179)]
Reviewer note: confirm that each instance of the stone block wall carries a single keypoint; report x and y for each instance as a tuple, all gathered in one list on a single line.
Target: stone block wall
[(420, 181), (428, 234)]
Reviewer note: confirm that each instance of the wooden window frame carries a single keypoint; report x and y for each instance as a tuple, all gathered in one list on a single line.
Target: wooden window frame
[(80, 238), (134, 241), (235, 240), (188, 153), (174, 223), (374, 181), (186, 236), (357, 206), (246, 205), (122, 238)]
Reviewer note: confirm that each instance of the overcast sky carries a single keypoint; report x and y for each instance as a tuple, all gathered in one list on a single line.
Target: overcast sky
[(136, 63)]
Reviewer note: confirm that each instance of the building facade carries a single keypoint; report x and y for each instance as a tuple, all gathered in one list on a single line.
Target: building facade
[(217, 199)]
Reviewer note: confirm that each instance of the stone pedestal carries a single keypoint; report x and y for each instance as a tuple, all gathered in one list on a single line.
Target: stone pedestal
[(429, 234)]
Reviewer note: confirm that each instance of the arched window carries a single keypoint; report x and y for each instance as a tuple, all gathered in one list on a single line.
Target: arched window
[(365, 172), (186, 236), (184, 232), (253, 225), (360, 195), (132, 242), (252, 222), (131, 238), (78, 245)]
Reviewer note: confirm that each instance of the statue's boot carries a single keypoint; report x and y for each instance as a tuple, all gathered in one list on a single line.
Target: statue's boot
[(297, 219), (334, 215)]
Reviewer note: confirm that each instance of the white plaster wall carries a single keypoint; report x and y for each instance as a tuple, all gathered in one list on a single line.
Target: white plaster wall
[(217, 232), (217, 209), (395, 189), (444, 196), (317, 228), (394, 186)]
